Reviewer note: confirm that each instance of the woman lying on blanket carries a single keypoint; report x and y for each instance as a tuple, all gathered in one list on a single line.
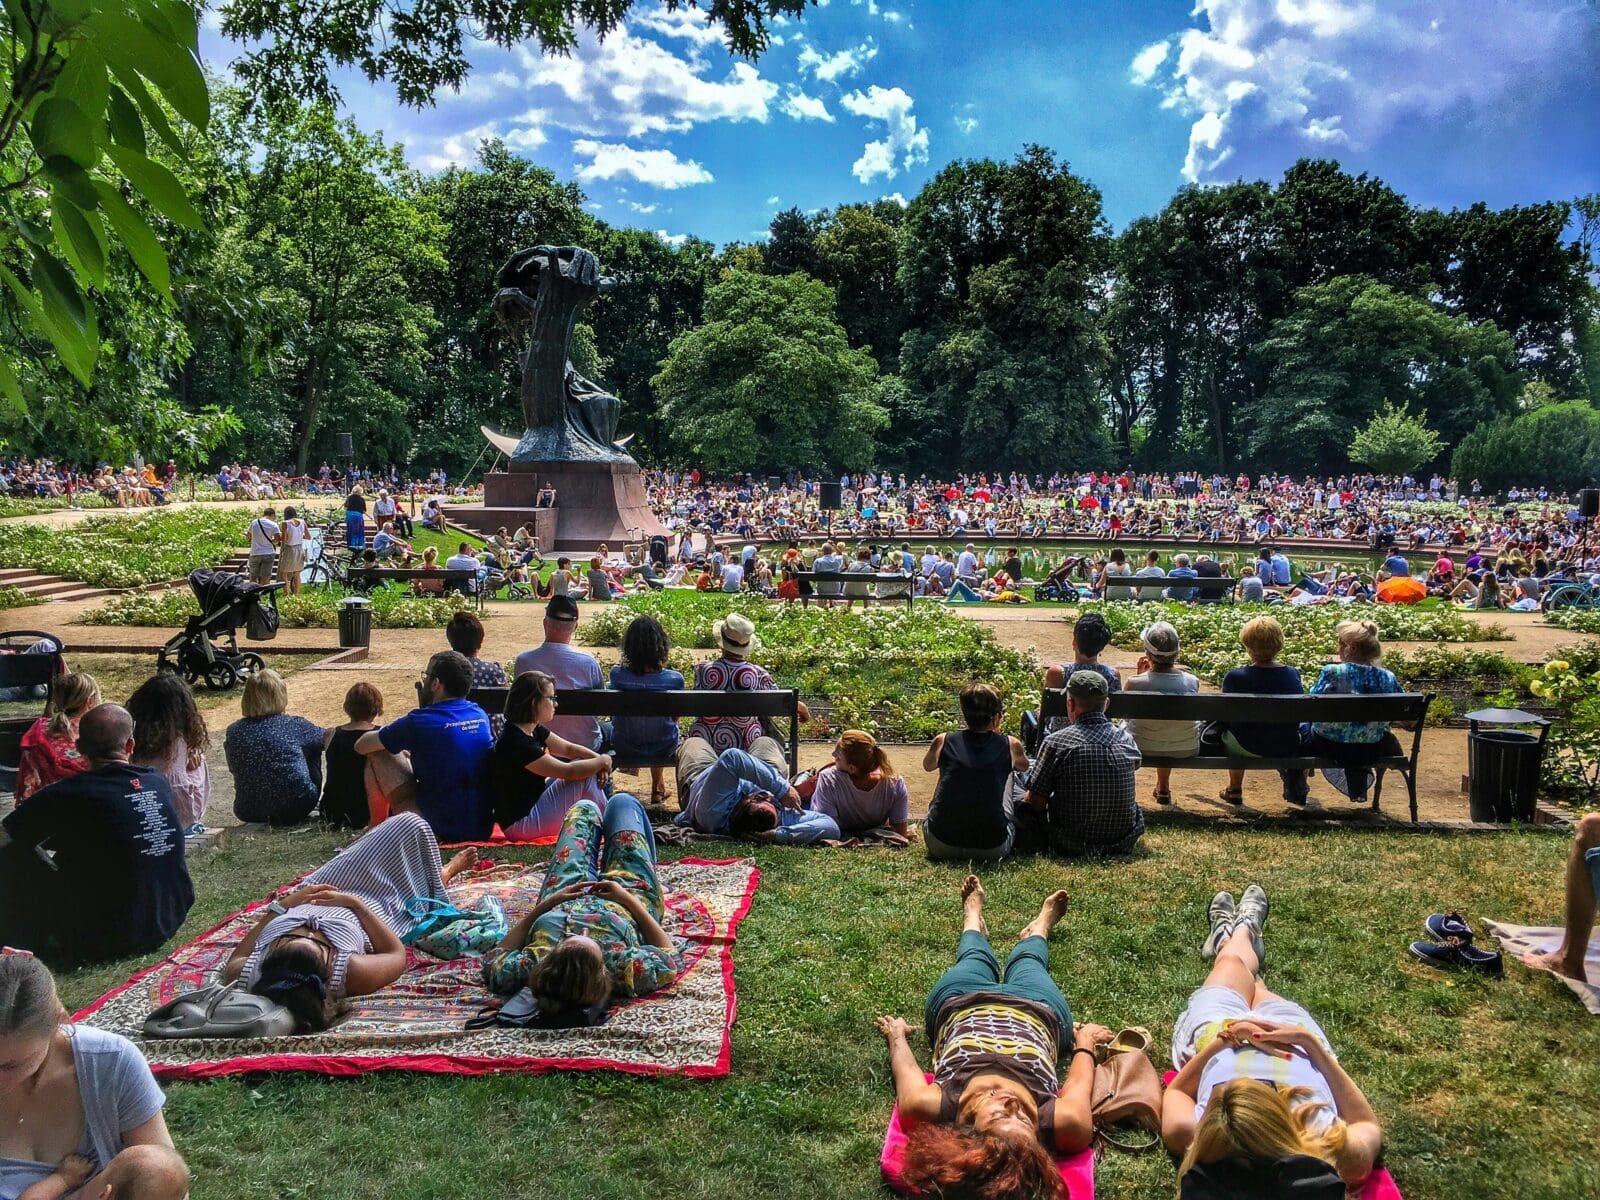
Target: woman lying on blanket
[(995, 1110), (79, 1108), (338, 934), (1259, 1105), (596, 931)]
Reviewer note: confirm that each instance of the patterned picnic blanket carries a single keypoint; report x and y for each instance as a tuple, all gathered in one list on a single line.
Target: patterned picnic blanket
[(1517, 940), (418, 1024)]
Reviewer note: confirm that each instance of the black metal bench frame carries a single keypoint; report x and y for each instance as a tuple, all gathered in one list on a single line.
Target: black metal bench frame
[(777, 705), (1405, 710), (908, 582)]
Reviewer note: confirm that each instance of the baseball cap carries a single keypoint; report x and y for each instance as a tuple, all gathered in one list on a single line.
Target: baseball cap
[(1087, 685), (561, 608)]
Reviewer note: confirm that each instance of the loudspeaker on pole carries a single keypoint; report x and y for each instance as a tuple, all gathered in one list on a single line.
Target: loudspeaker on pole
[(1589, 503), (832, 495), (344, 445)]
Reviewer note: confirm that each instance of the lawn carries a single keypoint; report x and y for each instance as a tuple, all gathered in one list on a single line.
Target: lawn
[(1485, 1088)]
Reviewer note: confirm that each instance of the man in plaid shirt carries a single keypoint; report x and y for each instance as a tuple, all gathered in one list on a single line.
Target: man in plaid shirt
[(1083, 782)]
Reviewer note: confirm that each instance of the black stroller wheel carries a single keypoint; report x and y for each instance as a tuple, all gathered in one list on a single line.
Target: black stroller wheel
[(250, 663), (220, 676)]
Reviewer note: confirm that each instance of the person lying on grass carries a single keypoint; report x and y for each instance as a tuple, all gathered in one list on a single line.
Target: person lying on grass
[(1259, 1101), (595, 933), (995, 1110), (338, 934)]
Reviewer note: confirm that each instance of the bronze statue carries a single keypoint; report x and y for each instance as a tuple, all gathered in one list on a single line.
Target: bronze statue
[(567, 418)]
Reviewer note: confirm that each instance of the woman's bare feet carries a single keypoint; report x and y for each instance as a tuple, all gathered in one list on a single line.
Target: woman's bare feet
[(1050, 913), (464, 861), (972, 905), (1557, 961)]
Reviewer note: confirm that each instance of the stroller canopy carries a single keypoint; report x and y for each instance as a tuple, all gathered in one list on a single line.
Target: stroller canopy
[(228, 600)]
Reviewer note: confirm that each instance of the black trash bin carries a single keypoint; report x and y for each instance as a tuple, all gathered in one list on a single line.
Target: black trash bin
[(1503, 765), (355, 622)]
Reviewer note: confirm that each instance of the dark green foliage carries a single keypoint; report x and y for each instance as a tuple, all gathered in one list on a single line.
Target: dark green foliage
[(1557, 445)]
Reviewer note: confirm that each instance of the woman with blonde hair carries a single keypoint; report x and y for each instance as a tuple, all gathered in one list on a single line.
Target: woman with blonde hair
[(1260, 1107), (50, 744), (860, 790), (170, 735), (275, 757), (1262, 639), (1354, 744)]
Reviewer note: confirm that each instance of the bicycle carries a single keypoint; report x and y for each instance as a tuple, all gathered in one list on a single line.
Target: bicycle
[(325, 569)]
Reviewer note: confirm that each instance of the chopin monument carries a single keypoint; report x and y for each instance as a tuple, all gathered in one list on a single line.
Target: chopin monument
[(569, 423)]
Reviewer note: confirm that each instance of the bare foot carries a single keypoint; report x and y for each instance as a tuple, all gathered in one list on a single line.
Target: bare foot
[(972, 905), (1555, 960), (1050, 913), (464, 861)]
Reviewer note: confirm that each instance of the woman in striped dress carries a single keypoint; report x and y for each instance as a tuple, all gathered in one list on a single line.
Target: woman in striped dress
[(338, 934)]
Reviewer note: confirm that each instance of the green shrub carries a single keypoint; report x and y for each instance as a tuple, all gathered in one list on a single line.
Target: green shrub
[(315, 608), (1579, 620), (11, 597), (124, 551)]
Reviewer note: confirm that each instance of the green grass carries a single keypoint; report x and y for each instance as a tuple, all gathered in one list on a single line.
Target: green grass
[(1485, 1088)]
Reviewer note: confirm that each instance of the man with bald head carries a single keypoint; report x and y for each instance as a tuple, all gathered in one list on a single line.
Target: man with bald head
[(92, 868)]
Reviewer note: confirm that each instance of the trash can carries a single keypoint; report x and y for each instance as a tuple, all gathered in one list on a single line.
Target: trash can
[(1503, 764), (355, 622)]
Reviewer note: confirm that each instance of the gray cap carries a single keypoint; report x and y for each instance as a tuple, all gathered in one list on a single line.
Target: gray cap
[(1087, 685)]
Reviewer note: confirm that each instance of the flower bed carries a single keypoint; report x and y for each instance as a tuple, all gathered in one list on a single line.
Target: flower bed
[(317, 608), (122, 551)]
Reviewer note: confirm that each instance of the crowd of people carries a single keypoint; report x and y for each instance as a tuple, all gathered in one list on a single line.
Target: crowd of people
[(92, 867)]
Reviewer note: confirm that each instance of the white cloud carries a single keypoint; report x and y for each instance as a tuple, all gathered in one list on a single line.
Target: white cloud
[(904, 145), (642, 209), (897, 198), (832, 67), (1347, 72), (806, 108), (1149, 60), (675, 240), (964, 121), (772, 202), (657, 168), (686, 23), (430, 155), (480, 87), (633, 86)]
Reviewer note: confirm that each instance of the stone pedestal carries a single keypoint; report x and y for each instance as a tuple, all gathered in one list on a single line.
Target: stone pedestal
[(595, 502)]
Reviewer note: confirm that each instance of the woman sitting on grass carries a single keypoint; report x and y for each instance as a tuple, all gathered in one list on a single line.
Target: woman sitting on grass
[(50, 744), (170, 735), (995, 1109), (80, 1109), (347, 802), (338, 934), (596, 931), (860, 789), (1355, 744), (1260, 1106), (536, 776), (274, 756), (644, 669), (971, 816)]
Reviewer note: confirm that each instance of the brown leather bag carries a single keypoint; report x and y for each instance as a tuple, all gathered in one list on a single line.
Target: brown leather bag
[(1126, 1093)]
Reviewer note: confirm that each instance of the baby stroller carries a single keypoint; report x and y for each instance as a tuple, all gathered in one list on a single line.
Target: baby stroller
[(226, 602)]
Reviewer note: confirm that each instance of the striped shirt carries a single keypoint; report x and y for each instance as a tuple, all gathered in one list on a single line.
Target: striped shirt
[(989, 1032)]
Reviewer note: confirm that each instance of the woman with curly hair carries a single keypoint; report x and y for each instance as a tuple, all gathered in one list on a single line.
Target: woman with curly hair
[(995, 1111), (1259, 1106), (644, 669), (170, 735)]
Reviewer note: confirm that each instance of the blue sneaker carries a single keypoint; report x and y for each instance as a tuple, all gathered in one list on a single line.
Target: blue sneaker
[(1458, 955), (1442, 927)]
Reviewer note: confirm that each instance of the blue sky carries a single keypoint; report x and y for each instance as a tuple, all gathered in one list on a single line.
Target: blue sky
[(1450, 101)]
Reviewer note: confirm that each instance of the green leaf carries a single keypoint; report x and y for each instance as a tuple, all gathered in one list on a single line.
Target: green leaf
[(137, 240), (60, 129), (157, 185), (36, 233), (171, 66), (70, 182), (25, 297), (63, 300), (10, 386), (124, 122), (82, 239), (83, 81), (154, 115), (173, 18)]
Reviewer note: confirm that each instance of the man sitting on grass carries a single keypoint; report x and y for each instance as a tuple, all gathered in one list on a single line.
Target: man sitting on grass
[(1081, 789), (434, 760), (387, 545)]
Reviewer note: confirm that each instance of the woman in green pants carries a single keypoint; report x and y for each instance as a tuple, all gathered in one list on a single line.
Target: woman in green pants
[(996, 1108)]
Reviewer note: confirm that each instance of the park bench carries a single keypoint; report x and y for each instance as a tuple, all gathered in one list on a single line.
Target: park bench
[(899, 586), (1406, 710), (1221, 589), (364, 579), (777, 705)]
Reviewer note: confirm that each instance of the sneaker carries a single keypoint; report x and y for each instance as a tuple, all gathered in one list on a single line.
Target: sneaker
[(195, 830), (1456, 954), (1221, 915), (1442, 927), (1253, 912)]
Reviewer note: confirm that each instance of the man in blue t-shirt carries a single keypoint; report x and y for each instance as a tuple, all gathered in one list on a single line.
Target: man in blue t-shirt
[(449, 744)]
